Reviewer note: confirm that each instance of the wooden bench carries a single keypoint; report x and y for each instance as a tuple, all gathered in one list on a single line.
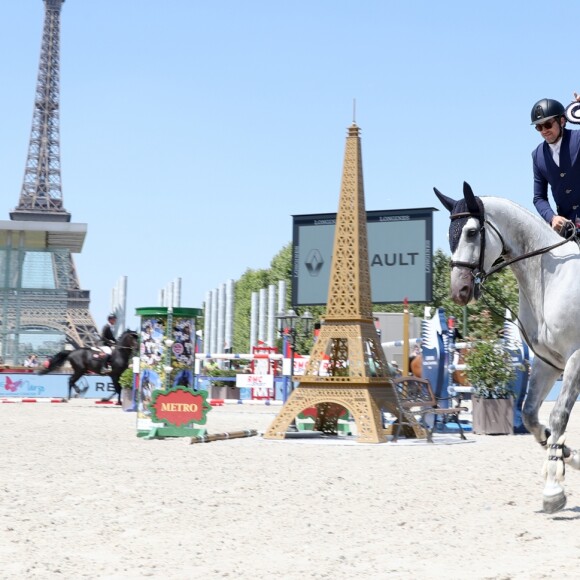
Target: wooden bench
[(417, 398)]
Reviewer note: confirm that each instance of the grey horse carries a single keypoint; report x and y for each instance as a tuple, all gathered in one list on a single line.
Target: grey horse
[(487, 234)]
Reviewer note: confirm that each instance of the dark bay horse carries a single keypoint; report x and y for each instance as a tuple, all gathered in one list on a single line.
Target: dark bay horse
[(89, 360)]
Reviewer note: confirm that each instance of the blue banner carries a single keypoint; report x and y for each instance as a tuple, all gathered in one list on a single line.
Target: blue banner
[(520, 355), (434, 352), (30, 385)]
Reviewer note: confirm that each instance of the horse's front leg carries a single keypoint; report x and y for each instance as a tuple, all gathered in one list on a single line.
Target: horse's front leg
[(542, 379), (72, 384), (117, 386), (558, 454)]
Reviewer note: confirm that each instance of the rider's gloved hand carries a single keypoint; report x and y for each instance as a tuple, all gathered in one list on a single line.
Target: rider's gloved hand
[(568, 229)]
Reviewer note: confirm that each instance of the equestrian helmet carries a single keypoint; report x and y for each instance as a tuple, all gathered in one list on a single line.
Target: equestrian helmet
[(546, 109)]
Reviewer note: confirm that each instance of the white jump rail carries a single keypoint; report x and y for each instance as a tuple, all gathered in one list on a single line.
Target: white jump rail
[(411, 342), (229, 356)]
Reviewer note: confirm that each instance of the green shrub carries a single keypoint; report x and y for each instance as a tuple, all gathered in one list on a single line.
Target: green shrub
[(489, 365), (126, 379)]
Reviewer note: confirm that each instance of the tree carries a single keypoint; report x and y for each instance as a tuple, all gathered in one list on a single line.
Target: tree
[(281, 265), (251, 281)]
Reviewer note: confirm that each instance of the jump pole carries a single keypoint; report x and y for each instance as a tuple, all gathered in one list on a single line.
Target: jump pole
[(406, 337), (223, 436)]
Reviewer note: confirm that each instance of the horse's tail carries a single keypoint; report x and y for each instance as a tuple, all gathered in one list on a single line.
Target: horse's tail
[(55, 362)]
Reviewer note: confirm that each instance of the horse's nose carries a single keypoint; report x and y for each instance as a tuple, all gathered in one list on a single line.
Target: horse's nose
[(461, 296), (461, 286)]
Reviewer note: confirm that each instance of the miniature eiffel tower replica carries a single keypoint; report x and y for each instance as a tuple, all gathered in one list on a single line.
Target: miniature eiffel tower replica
[(358, 378), (41, 301)]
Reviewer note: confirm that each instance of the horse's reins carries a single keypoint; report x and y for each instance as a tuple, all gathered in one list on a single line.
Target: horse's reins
[(480, 275)]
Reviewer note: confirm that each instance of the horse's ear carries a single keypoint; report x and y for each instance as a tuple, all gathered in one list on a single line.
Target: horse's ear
[(447, 202), (469, 197)]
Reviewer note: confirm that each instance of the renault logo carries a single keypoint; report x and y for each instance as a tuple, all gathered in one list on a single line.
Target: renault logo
[(314, 262)]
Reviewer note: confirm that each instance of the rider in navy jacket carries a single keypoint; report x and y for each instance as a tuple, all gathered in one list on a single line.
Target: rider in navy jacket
[(107, 341), (556, 163)]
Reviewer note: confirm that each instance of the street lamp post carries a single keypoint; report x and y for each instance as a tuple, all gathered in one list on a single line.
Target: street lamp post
[(290, 329)]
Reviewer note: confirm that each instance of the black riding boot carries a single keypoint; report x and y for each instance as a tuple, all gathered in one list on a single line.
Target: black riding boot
[(107, 365)]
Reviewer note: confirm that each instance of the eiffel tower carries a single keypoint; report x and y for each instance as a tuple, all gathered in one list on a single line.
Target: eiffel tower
[(358, 377), (41, 303)]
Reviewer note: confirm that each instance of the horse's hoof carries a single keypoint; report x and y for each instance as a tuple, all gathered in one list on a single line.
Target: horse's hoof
[(554, 503)]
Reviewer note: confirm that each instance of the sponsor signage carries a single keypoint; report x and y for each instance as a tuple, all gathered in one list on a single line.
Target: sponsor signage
[(400, 248), (300, 363), (53, 386), (262, 386), (179, 407)]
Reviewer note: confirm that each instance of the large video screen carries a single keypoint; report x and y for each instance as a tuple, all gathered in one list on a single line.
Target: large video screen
[(400, 248)]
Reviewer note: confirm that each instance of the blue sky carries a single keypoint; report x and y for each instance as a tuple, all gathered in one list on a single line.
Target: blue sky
[(192, 131)]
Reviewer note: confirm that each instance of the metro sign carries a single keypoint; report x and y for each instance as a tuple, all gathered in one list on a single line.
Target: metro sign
[(179, 406)]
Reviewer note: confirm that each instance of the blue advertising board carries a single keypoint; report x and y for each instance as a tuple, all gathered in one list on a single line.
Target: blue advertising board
[(18, 385), (434, 350), (520, 355)]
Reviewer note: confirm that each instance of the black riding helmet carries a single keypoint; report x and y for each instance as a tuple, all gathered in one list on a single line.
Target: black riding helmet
[(546, 109)]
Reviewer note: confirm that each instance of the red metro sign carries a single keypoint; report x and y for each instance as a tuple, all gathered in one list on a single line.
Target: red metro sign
[(179, 406)]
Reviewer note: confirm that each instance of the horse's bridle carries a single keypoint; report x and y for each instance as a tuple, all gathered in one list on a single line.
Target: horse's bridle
[(477, 270)]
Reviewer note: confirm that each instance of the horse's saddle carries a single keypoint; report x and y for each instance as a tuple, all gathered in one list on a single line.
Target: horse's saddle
[(97, 353)]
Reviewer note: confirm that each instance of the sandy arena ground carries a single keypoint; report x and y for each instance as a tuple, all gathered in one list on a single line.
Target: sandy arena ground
[(83, 497)]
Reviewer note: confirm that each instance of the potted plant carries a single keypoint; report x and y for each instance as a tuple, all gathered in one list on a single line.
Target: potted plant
[(490, 371), (221, 389), (126, 382)]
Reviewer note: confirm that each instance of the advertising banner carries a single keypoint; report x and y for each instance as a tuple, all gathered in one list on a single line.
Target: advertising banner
[(27, 385), (166, 363), (262, 386), (435, 358), (520, 356), (399, 248), (300, 363)]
